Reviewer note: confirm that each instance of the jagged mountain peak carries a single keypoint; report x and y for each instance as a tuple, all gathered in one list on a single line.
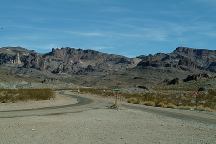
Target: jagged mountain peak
[(195, 52), (72, 60), (183, 58), (90, 67), (14, 50)]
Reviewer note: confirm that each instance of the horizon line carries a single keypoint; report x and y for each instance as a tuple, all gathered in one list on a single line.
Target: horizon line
[(77, 48)]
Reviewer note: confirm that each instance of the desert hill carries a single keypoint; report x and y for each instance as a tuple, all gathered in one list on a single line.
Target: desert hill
[(93, 68)]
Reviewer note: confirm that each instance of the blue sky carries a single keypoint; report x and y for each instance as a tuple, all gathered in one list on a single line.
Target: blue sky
[(126, 27)]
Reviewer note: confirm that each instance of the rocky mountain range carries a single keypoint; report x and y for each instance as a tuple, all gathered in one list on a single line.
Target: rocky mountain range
[(89, 67), (187, 59), (65, 60)]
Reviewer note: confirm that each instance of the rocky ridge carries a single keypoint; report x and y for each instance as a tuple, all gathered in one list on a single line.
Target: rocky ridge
[(89, 67), (188, 59)]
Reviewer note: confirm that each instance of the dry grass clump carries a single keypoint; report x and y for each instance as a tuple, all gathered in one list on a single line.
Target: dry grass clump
[(101, 92), (149, 103), (161, 104), (186, 107), (14, 95), (169, 98), (171, 105), (203, 108), (134, 100)]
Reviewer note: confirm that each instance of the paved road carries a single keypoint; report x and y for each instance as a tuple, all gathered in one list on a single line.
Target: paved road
[(55, 110), (87, 103), (203, 117)]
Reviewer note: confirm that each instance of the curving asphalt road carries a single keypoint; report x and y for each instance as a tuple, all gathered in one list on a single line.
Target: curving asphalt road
[(86, 103), (54, 110)]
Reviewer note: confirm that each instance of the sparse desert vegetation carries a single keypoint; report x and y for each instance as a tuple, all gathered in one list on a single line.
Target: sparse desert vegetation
[(165, 98), (14, 95), (107, 72)]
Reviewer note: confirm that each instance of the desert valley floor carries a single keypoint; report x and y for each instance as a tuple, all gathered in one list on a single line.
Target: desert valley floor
[(87, 120)]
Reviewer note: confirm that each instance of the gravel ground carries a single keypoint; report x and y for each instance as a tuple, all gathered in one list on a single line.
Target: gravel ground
[(57, 101), (105, 126)]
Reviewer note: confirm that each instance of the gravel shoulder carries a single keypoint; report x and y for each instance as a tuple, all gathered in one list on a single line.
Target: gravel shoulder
[(189, 115)]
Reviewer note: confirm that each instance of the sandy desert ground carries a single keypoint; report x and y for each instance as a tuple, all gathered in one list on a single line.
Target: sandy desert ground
[(93, 123)]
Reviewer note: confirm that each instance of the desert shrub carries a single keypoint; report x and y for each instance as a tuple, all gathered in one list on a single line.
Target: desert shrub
[(101, 92), (201, 89), (160, 104), (173, 97), (13, 95), (143, 87), (203, 108), (134, 100), (185, 107), (149, 103), (212, 92), (170, 105), (131, 100), (200, 108), (174, 81)]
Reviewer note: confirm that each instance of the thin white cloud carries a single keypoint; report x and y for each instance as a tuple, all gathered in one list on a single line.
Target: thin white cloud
[(133, 28), (91, 34), (99, 48), (150, 33)]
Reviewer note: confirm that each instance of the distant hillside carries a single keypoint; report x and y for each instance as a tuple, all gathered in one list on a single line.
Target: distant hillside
[(78, 61), (89, 67), (187, 59)]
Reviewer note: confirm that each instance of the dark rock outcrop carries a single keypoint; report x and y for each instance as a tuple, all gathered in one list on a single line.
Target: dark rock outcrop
[(187, 59), (196, 77), (95, 67), (174, 81)]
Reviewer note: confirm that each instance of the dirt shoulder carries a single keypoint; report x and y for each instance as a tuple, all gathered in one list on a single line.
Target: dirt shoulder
[(59, 100)]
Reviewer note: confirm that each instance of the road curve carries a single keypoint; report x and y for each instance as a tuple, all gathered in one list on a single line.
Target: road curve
[(54, 110), (86, 103), (207, 118)]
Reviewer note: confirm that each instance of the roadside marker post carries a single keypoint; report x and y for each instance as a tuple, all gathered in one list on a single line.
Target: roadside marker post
[(195, 94), (116, 91), (78, 91)]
